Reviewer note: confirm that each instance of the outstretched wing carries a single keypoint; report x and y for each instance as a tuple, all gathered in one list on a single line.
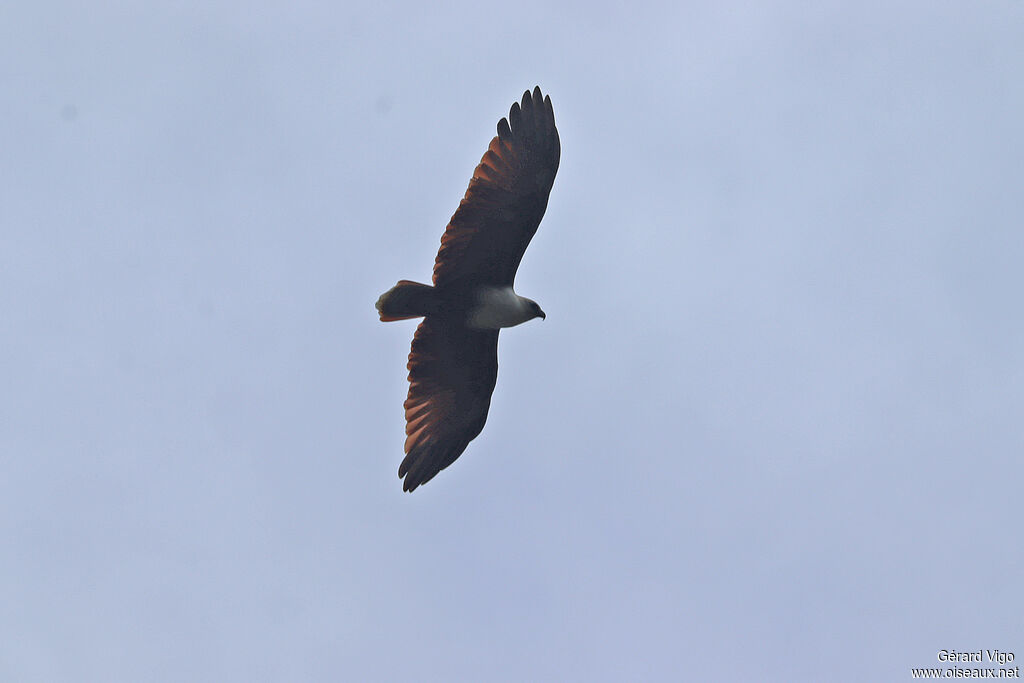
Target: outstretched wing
[(452, 370), (507, 196)]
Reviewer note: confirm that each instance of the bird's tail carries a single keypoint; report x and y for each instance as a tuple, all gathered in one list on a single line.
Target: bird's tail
[(406, 300)]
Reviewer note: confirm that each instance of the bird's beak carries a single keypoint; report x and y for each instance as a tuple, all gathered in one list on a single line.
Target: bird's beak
[(542, 316)]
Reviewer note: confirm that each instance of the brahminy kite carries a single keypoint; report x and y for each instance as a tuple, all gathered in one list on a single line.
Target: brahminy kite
[(453, 364)]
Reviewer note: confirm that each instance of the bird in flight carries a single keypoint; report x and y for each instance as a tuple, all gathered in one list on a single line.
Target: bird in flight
[(453, 364)]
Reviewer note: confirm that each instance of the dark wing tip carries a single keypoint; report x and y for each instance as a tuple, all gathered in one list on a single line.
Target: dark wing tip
[(529, 114), (524, 113), (410, 479), (408, 484), (423, 463), (504, 132), (514, 116)]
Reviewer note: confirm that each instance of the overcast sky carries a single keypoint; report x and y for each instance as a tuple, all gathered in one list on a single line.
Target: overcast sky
[(771, 429)]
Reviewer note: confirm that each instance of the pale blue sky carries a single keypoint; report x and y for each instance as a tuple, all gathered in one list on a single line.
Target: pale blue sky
[(771, 429)]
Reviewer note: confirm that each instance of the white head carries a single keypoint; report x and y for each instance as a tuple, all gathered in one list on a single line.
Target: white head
[(501, 307)]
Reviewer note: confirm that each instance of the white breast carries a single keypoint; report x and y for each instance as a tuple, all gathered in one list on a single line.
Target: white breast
[(499, 307)]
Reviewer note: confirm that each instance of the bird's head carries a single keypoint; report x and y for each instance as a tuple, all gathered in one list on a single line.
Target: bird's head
[(535, 309)]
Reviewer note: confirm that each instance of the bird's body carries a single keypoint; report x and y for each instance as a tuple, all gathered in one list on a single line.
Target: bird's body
[(453, 364), (483, 307)]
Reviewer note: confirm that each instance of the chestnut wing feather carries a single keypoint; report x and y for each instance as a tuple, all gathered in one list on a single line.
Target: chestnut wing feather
[(452, 371), (507, 196)]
